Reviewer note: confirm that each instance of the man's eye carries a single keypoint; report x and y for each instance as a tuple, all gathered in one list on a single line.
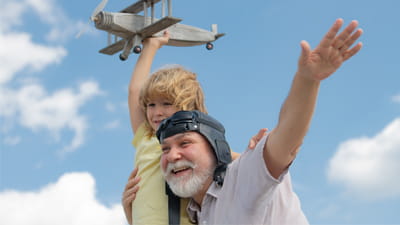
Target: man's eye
[(185, 143), (164, 149)]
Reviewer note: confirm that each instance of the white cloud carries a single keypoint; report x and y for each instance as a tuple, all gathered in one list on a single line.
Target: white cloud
[(32, 107), (19, 52), (12, 140), (113, 125), (69, 201), (61, 27), (47, 10), (368, 167), (396, 98), (29, 104), (10, 14), (110, 107)]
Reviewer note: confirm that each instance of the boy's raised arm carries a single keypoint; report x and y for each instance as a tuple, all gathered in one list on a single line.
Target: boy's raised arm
[(139, 76), (295, 116)]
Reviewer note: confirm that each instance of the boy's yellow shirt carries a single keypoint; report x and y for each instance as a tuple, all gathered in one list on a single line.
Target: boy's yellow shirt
[(151, 203)]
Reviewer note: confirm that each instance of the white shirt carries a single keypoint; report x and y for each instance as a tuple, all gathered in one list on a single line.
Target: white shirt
[(250, 195)]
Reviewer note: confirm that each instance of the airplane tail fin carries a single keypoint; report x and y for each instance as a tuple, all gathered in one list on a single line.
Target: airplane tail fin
[(214, 28)]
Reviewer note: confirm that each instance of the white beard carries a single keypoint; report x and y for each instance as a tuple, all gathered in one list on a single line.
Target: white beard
[(188, 185)]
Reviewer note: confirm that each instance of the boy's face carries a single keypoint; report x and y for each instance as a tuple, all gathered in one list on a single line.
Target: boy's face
[(157, 110), (187, 163)]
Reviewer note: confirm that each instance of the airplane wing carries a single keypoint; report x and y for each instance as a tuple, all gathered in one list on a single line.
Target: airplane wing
[(148, 31), (158, 26), (137, 6), (114, 48)]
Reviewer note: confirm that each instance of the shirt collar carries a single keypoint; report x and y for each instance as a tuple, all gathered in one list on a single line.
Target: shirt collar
[(193, 209)]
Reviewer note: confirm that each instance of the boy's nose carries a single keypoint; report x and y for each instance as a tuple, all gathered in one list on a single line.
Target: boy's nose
[(158, 110)]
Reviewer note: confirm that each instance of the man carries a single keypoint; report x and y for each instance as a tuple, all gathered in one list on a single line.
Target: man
[(256, 188)]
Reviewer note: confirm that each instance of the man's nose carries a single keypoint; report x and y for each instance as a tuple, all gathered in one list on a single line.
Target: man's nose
[(174, 154)]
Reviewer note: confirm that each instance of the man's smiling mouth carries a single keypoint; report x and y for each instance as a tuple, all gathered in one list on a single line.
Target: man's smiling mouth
[(180, 169)]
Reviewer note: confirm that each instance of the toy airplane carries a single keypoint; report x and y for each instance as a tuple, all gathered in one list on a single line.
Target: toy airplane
[(129, 28)]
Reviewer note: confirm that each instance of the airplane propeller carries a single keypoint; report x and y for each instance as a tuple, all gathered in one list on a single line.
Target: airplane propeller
[(92, 18), (98, 9)]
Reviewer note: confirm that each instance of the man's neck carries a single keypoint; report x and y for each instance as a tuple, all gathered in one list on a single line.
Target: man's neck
[(199, 196)]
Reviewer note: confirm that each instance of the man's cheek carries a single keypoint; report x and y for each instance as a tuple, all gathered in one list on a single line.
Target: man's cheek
[(163, 163)]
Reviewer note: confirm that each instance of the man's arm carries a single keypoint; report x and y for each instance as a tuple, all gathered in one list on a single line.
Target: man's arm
[(295, 116), (139, 76), (129, 194)]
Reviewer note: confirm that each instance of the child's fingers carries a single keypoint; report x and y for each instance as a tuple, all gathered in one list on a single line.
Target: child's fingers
[(256, 138), (251, 144)]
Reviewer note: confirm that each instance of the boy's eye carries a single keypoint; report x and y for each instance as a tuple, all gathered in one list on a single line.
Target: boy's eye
[(151, 105), (167, 103)]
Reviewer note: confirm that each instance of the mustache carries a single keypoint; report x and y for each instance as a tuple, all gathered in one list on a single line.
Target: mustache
[(179, 164)]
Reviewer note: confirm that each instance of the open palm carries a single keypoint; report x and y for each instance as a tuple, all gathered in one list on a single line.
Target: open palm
[(331, 52)]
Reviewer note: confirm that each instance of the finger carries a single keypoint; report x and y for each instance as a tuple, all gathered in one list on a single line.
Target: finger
[(165, 37), (352, 51), (256, 138), (127, 200), (305, 51), (344, 35), (252, 144), (261, 133), (331, 34), (133, 173), (130, 195), (166, 33), (350, 41), (132, 182)]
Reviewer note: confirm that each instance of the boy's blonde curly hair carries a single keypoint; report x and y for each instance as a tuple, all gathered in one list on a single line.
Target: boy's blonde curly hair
[(177, 85)]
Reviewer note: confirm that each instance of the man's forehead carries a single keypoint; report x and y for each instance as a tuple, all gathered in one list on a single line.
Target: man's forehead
[(178, 136)]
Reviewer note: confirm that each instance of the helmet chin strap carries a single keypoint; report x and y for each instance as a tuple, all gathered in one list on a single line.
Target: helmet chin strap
[(219, 174)]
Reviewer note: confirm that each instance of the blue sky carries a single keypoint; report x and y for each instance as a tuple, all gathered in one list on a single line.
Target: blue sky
[(65, 151)]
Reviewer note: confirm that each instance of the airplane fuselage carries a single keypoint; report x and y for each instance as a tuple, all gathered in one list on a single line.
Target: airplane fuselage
[(127, 25)]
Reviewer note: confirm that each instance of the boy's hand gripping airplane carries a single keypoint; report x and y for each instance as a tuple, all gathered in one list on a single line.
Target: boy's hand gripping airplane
[(129, 28)]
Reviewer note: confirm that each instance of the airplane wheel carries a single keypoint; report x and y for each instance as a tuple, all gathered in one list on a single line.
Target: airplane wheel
[(209, 46), (137, 49), (122, 58)]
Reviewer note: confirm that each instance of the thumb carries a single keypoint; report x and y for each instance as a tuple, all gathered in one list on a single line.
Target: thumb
[(166, 33), (305, 51)]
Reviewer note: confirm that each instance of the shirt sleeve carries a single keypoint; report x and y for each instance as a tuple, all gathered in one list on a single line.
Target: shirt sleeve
[(139, 135), (252, 181)]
